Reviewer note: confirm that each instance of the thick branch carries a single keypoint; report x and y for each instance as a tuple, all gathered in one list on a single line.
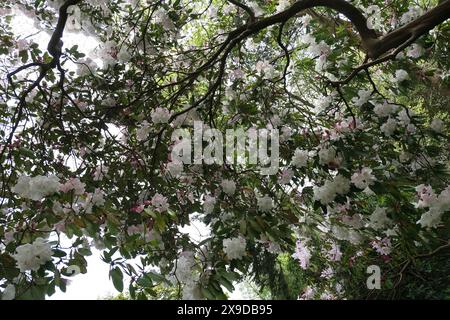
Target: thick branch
[(246, 8), (412, 30), (374, 46), (367, 35), (55, 44)]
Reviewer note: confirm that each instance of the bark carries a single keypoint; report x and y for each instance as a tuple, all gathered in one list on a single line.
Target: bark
[(55, 44), (374, 45)]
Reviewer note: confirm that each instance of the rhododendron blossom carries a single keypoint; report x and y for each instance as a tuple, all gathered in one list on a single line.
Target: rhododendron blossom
[(195, 147)]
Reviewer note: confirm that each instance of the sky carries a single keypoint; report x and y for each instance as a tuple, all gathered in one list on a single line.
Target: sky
[(95, 284)]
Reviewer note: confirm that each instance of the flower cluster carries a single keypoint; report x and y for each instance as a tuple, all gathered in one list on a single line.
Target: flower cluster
[(36, 188), (234, 248), (31, 256)]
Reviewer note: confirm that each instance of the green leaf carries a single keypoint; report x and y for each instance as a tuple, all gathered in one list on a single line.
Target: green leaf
[(117, 278), (227, 284), (157, 277), (207, 293), (85, 251), (59, 253), (24, 56)]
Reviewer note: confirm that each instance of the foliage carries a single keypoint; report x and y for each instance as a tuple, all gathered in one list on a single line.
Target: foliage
[(86, 147)]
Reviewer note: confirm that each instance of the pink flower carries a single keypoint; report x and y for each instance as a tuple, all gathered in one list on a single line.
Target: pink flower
[(138, 209), (73, 184), (60, 226), (160, 202)]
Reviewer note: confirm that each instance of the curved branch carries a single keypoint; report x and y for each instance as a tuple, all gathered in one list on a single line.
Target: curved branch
[(55, 44), (368, 36), (412, 30), (246, 8), (373, 45)]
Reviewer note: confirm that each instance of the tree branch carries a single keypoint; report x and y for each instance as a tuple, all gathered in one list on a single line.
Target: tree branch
[(55, 44), (411, 31), (246, 8)]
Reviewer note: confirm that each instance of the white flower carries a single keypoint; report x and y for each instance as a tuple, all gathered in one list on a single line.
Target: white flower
[(100, 172), (31, 256), (184, 267), (354, 221), (161, 17), (143, 131), (73, 20), (431, 218), (174, 168), (55, 4), (41, 186), (94, 199), (22, 186), (36, 188), (321, 63), (341, 184), (378, 219), (415, 51), (9, 293), (327, 155), (234, 248), (97, 198), (383, 246), (86, 67), (286, 134), (319, 49), (437, 125), (305, 20), (286, 176), (266, 69), (327, 273), (160, 115), (363, 178), (160, 202), (265, 203), (374, 21), (107, 52), (73, 184), (410, 128), (404, 117), (411, 14), (388, 128), (302, 254), (363, 97), (334, 254), (123, 55), (228, 186), (300, 158), (426, 196), (400, 75), (326, 193), (208, 204), (282, 5), (308, 293), (256, 9), (323, 103), (350, 235), (443, 200), (273, 247), (437, 205), (385, 109)]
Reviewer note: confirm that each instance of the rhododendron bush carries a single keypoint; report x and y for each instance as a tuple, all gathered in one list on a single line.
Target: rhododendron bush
[(357, 92)]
